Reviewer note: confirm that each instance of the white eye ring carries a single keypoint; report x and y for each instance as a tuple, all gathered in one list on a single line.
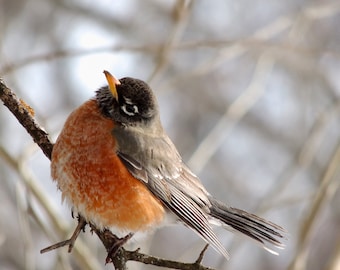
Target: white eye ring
[(131, 110)]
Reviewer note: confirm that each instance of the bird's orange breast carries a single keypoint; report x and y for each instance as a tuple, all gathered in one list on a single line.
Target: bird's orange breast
[(93, 179)]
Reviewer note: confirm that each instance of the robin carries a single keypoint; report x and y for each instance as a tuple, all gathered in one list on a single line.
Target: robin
[(116, 167)]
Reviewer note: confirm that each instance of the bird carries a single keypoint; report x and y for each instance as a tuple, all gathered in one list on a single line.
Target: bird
[(116, 166)]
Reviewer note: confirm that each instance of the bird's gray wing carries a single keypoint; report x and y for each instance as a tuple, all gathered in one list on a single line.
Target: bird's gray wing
[(155, 162)]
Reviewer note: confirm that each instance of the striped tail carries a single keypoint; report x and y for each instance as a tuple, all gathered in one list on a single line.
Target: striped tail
[(259, 229)]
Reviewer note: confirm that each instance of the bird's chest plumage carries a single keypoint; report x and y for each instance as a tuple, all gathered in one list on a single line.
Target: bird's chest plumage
[(93, 179)]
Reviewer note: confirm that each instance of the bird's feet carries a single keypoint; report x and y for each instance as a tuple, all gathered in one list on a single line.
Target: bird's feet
[(115, 244)]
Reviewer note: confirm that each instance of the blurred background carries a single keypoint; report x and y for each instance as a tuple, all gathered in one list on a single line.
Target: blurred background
[(249, 92)]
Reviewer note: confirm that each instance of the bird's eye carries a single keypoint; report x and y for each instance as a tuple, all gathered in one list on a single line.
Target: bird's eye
[(129, 109)]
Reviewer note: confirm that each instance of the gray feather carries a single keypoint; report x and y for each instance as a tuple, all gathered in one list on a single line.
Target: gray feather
[(156, 162), (168, 179)]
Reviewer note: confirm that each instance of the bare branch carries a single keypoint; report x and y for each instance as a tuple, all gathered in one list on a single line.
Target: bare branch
[(24, 114)]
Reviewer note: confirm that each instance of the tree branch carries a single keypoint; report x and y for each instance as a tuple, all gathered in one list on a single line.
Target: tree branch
[(25, 115)]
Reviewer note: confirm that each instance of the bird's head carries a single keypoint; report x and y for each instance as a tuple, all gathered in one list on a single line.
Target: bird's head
[(128, 101)]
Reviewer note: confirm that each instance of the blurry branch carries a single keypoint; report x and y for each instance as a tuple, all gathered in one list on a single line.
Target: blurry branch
[(73, 53), (256, 88), (25, 115), (260, 40), (182, 9), (321, 11), (235, 48), (328, 186), (233, 114), (82, 253), (334, 264), (229, 48), (33, 187), (304, 157), (26, 233), (240, 47), (269, 31)]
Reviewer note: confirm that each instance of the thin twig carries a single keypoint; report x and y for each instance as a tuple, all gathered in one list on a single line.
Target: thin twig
[(69, 242)]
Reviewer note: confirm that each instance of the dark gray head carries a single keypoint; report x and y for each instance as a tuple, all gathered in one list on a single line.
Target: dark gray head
[(128, 101)]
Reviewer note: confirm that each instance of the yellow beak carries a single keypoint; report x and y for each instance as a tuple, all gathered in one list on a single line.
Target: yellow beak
[(112, 82)]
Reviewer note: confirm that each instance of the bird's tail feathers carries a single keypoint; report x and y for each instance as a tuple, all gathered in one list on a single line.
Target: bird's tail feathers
[(262, 231)]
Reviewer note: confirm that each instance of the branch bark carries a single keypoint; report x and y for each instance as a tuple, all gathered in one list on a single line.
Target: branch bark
[(25, 115)]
